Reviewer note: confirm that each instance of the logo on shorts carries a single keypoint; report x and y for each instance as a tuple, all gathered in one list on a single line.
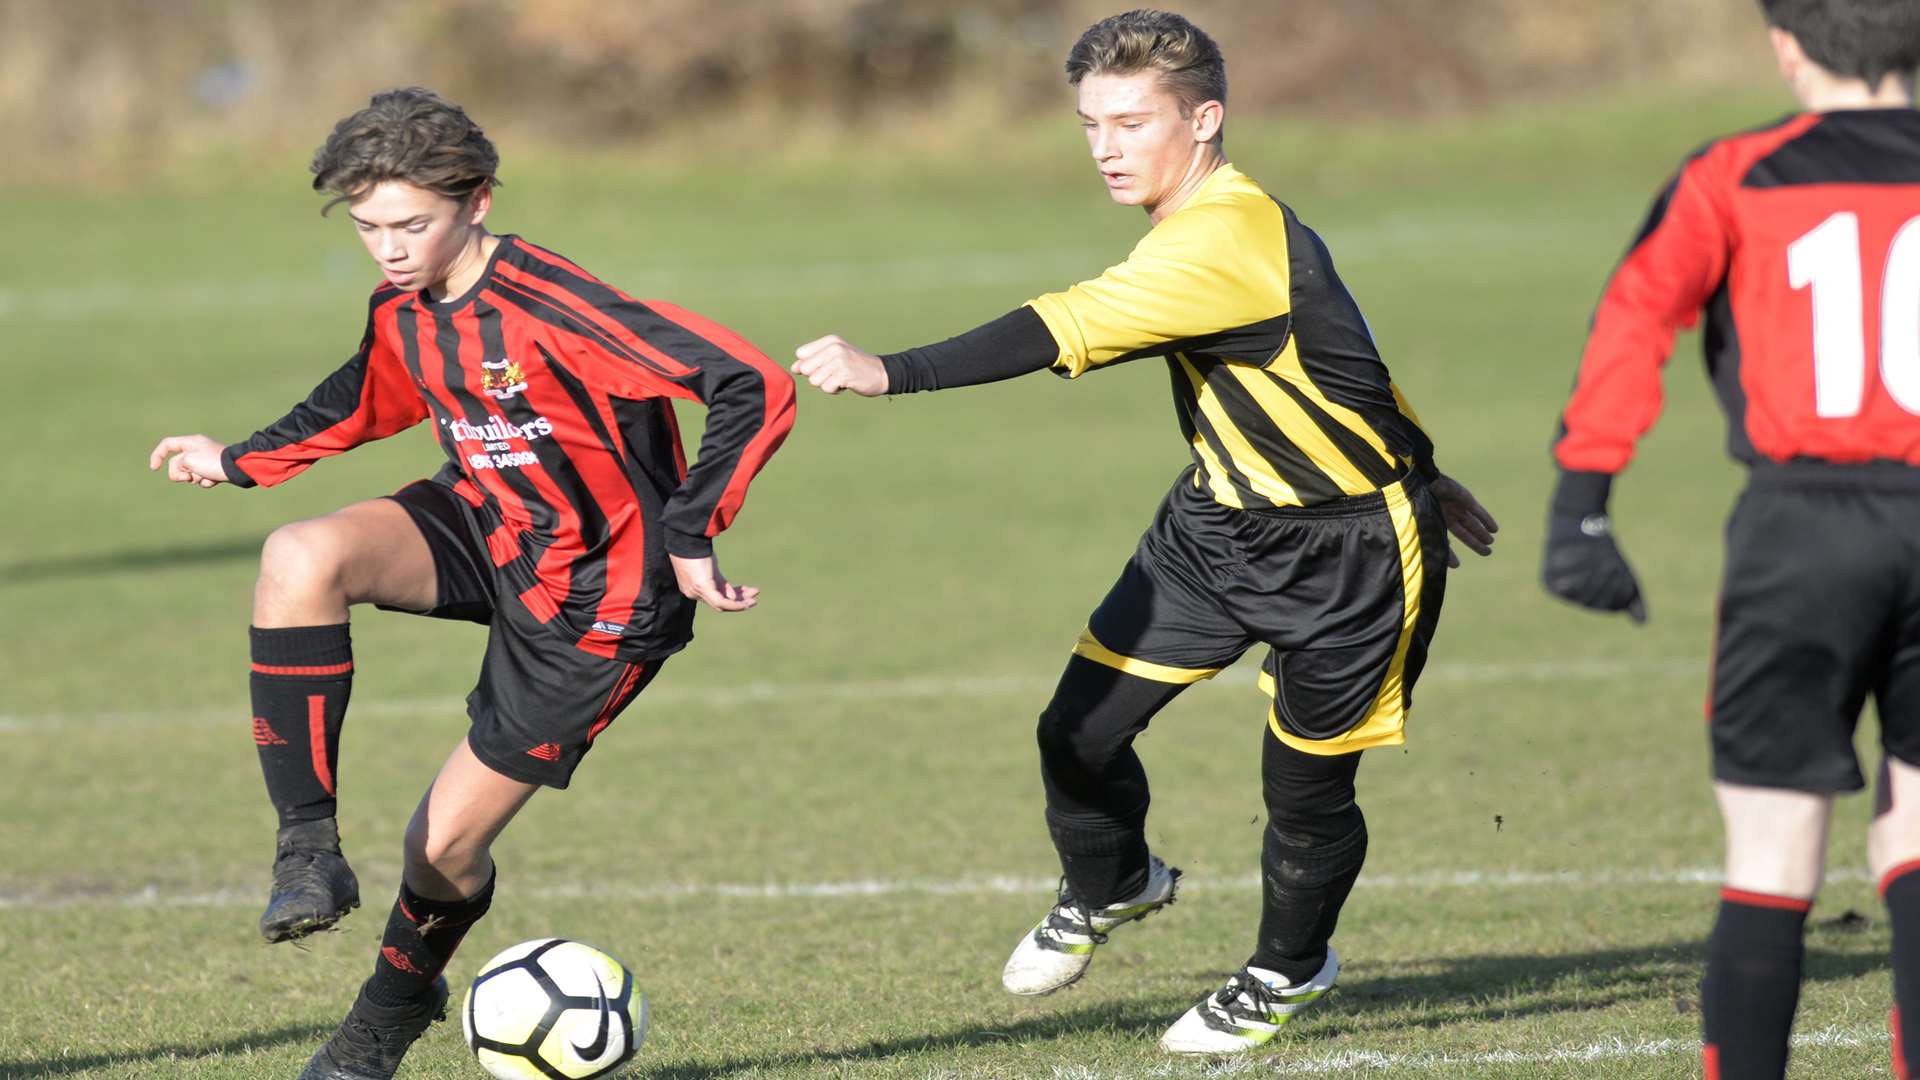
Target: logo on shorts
[(502, 380), (546, 751), (263, 735), (614, 628)]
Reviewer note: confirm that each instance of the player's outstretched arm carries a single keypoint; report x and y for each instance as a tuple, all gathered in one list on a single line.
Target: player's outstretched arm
[(189, 459), (1468, 521), (1014, 344)]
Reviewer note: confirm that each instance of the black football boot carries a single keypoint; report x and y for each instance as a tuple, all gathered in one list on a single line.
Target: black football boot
[(370, 1042), (312, 884)]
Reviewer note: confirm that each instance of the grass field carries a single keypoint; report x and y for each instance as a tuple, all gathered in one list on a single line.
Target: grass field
[(818, 835)]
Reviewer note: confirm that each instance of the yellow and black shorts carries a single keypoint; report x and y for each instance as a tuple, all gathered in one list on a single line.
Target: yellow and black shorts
[(1346, 594)]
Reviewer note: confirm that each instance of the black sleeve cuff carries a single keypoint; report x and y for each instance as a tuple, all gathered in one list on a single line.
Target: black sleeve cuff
[(235, 474), (688, 545), (1582, 493), (904, 376), (1013, 344)]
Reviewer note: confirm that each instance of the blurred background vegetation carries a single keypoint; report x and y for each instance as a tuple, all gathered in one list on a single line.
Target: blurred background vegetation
[(112, 90)]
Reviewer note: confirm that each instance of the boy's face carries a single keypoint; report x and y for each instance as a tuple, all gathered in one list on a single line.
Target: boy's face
[(417, 235), (1142, 145)]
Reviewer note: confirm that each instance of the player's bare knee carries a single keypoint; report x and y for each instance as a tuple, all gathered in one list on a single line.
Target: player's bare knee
[(1781, 862), (1776, 838), (300, 570), (448, 854), (1892, 841)]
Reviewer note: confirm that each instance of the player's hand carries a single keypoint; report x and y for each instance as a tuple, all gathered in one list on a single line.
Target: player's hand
[(189, 459), (701, 580), (1466, 519), (833, 365), (1584, 565)]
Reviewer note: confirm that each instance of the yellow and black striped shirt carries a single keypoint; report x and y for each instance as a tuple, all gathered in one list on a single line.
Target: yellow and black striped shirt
[(1280, 391)]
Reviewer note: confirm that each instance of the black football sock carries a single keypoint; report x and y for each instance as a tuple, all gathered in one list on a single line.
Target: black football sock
[(1752, 984), (1097, 794), (1313, 848), (422, 935), (1900, 888), (302, 677), (1303, 890), (1103, 863)]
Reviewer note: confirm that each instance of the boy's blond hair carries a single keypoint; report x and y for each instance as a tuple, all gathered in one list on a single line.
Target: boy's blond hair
[(1189, 63)]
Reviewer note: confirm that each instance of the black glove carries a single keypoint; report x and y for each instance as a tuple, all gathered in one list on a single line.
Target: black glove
[(1583, 565)]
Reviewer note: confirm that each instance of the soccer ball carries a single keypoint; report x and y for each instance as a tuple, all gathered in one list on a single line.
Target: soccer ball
[(553, 1008)]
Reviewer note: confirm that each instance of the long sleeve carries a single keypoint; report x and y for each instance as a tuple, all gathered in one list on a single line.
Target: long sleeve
[(1674, 267), (1013, 344), (641, 349), (750, 409), (370, 397)]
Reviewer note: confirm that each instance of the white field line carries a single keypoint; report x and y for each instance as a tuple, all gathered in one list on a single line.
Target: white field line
[(856, 692), (1347, 1061), (1352, 1061), (154, 897)]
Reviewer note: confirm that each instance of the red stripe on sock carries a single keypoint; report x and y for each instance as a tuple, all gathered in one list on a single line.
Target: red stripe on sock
[(1904, 868), (1899, 1052), (317, 739), (1766, 900), (1710, 1060), (321, 669)]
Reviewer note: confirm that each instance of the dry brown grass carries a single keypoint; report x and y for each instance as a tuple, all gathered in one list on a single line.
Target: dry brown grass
[(88, 84)]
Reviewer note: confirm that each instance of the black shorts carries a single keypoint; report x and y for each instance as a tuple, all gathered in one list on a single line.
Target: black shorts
[(1819, 606), (540, 701), (1346, 595)]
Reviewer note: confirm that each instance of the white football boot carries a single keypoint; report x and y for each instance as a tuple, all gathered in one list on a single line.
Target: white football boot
[(1057, 952), (1247, 1011)]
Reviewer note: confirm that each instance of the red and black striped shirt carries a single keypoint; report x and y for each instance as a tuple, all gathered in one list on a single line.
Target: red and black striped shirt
[(551, 395), (1801, 241)]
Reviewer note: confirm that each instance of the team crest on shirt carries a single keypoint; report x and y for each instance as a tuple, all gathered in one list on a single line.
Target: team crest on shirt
[(502, 380)]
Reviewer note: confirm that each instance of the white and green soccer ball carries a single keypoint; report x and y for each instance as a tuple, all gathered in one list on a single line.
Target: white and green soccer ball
[(553, 1009)]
